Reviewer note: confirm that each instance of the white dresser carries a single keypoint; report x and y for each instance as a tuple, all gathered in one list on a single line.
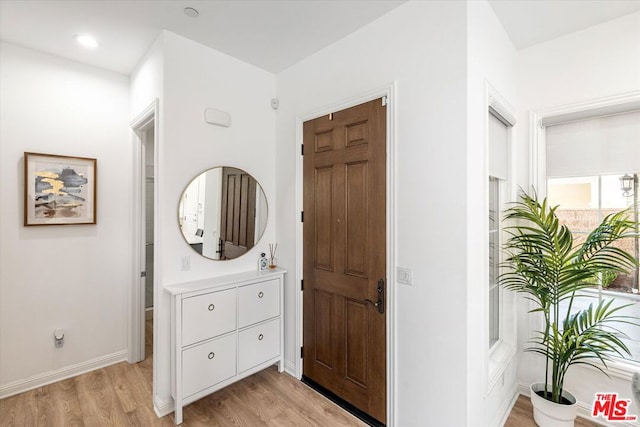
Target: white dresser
[(224, 329)]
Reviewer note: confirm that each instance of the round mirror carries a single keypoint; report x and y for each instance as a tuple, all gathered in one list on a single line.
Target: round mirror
[(223, 213)]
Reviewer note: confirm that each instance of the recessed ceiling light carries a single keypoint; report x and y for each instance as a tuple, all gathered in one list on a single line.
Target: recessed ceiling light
[(85, 40), (191, 12)]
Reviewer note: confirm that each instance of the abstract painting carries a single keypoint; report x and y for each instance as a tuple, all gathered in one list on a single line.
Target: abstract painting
[(59, 190)]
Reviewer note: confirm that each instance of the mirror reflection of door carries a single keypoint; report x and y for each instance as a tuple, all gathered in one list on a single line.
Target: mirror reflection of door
[(237, 224), (223, 213)]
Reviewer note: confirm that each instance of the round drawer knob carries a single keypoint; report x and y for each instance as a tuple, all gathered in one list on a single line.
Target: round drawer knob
[(211, 355), (211, 307), (260, 337), (260, 294)]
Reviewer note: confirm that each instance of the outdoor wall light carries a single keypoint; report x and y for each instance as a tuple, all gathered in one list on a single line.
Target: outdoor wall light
[(626, 184)]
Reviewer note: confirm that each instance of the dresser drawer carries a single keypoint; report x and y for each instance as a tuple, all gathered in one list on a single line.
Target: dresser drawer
[(258, 344), (209, 315), (258, 302), (208, 363)]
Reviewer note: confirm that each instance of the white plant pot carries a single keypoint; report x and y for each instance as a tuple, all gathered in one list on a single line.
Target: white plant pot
[(550, 414)]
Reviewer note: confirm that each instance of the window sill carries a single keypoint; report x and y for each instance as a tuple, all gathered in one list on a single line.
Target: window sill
[(621, 295), (618, 367), (595, 292), (622, 369)]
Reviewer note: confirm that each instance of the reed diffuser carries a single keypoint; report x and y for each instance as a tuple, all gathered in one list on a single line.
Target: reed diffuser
[(273, 262)]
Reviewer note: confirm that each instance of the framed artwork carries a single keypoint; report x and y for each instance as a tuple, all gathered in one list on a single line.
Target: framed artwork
[(59, 190)]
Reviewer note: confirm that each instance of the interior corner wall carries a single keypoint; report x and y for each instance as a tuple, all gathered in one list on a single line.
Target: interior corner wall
[(421, 46), (491, 61), (146, 78), (74, 277), (195, 77), (601, 61)]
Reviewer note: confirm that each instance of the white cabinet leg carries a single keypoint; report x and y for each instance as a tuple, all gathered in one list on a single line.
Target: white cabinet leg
[(178, 414)]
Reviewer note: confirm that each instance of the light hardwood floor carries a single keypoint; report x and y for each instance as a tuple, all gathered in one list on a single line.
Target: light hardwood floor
[(120, 395)]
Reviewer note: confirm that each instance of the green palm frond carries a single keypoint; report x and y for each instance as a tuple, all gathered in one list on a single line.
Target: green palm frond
[(544, 263)]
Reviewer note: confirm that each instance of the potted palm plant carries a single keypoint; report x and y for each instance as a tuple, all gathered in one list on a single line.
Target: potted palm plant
[(544, 263)]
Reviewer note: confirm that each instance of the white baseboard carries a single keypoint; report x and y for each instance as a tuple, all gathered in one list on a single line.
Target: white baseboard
[(506, 409), (290, 368), (43, 379), (584, 411), (163, 407)]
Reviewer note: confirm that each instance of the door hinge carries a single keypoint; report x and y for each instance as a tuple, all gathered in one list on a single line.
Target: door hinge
[(330, 116), (385, 101), (301, 216), (143, 274), (301, 352), (302, 284), (302, 149)]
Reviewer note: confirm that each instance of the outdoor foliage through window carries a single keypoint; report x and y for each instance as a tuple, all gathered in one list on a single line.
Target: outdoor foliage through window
[(583, 202)]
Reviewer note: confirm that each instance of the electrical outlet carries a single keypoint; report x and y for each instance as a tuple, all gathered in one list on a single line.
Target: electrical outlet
[(404, 275), (186, 263)]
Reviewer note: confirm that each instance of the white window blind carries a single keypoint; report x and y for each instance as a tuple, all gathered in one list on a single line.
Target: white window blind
[(498, 148), (594, 147)]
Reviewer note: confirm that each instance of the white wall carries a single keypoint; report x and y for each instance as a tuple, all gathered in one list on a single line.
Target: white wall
[(422, 47), (146, 79), (600, 61), (195, 77), (491, 61), (62, 276)]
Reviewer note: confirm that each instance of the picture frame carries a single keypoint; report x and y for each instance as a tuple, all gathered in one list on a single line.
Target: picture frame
[(59, 190)]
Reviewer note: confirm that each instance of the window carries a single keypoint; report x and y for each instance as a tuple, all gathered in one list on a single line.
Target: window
[(498, 175), (499, 306), (585, 160), (494, 260), (583, 202)]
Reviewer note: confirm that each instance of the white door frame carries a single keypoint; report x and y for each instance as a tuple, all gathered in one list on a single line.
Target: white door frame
[(387, 91), (136, 321)]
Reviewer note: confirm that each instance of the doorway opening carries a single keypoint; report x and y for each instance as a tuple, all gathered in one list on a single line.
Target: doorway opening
[(143, 294), (148, 138), (148, 149)]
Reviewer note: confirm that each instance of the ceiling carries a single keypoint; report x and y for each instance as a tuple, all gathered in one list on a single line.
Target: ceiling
[(271, 34), (530, 22)]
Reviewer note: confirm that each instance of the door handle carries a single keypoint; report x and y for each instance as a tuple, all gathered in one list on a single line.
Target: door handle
[(379, 304)]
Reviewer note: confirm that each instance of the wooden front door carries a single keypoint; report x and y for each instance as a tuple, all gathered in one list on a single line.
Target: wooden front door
[(345, 255), (238, 213)]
